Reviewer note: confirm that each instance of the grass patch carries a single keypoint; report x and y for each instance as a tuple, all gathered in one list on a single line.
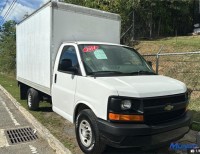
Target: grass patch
[(194, 107), (195, 127), (171, 44)]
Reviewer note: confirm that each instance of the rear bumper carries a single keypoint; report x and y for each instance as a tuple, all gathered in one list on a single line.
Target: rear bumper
[(142, 135)]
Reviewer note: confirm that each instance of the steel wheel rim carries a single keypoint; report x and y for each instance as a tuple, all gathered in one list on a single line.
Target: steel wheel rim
[(85, 133), (29, 100)]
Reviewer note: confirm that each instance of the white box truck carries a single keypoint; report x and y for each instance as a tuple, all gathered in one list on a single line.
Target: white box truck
[(72, 55)]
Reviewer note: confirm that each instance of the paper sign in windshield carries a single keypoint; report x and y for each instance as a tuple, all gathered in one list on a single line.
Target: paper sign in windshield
[(90, 48), (100, 54)]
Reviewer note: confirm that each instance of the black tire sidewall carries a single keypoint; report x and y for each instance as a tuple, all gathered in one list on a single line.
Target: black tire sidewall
[(85, 116), (34, 99)]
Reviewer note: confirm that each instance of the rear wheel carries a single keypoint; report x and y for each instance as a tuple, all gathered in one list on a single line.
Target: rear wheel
[(87, 133), (33, 99)]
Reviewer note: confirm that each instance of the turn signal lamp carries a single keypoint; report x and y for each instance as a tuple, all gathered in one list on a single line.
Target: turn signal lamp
[(123, 117)]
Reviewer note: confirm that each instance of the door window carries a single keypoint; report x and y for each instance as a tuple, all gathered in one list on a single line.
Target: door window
[(68, 60)]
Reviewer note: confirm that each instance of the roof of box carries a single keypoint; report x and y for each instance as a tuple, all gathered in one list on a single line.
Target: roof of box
[(77, 9)]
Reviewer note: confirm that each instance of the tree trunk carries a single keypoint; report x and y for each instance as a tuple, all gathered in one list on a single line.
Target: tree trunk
[(159, 25)]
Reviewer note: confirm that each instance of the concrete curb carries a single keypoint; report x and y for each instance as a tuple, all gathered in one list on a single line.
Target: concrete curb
[(44, 132)]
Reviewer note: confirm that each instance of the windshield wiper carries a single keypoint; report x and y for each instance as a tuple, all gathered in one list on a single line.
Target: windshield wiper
[(105, 72), (142, 72)]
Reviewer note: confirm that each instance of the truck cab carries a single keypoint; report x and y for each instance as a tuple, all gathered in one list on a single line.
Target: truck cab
[(114, 97)]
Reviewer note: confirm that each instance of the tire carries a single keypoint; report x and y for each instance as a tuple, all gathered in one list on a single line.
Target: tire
[(86, 125), (33, 99)]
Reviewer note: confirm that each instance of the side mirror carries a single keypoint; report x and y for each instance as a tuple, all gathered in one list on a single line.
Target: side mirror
[(66, 66), (150, 63)]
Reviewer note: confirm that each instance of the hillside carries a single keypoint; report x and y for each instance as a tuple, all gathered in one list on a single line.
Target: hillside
[(171, 44)]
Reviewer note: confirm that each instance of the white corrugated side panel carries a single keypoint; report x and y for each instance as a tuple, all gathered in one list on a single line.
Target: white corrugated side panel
[(75, 26), (33, 49)]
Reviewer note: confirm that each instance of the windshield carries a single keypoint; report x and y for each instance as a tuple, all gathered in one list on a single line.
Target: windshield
[(112, 59)]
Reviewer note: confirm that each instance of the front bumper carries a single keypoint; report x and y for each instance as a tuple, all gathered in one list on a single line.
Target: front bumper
[(142, 135)]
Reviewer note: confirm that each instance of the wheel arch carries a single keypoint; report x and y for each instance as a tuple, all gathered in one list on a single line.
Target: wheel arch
[(81, 106)]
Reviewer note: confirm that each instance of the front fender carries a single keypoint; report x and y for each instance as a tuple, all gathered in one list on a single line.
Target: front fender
[(86, 104)]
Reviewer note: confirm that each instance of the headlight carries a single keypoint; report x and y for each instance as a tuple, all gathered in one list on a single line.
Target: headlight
[(125, 109), (126, 104)]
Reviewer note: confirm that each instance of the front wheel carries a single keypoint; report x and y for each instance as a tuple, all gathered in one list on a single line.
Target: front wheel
[(87, 133)]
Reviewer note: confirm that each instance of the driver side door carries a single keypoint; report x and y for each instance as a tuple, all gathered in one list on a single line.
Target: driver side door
[(64, 82)]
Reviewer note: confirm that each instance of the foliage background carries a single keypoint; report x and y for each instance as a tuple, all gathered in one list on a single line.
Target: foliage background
[(8, 47)]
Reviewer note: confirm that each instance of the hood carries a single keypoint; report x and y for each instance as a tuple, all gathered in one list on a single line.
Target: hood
[(144, 86)]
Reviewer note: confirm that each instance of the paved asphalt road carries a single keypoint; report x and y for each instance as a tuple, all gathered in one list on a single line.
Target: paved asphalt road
[(11, 118)]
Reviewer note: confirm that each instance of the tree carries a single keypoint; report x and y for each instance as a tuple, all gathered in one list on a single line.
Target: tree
[(7, 46), (157, 18)]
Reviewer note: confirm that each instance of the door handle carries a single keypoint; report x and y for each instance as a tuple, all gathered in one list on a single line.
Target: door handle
[(55, 78)]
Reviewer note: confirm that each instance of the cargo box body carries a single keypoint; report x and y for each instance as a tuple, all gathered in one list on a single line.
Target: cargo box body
[(41, 34)]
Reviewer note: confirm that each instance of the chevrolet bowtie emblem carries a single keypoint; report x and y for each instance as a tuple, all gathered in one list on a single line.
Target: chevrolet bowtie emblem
[(168, 108)]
